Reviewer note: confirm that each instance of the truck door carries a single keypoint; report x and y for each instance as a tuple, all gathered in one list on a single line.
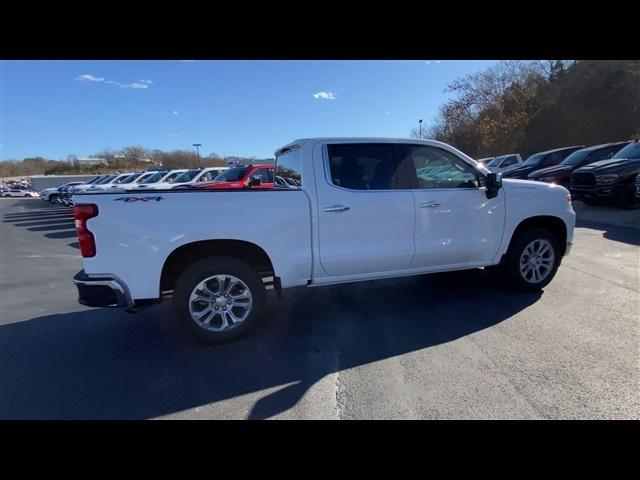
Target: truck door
[(455, 222), (366, 221)]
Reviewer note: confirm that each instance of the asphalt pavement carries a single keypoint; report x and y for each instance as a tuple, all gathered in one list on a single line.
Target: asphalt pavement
[(445, 346)]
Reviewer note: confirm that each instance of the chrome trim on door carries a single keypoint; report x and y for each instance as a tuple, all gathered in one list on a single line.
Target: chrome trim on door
[(336, 208)]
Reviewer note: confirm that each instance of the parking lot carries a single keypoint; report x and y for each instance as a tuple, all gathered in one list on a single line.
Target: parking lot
[(443, 346)]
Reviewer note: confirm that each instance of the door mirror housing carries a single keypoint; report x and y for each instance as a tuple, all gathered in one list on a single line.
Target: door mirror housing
[(494, 183), (255, 181)]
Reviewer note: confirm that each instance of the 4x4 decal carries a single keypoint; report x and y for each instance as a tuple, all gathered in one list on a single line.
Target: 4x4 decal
[(138, 199)]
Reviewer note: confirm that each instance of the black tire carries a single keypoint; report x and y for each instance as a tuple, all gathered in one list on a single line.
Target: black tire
[(628, 198), (516, 249), (52, 198), (208, 267), (589, 201)]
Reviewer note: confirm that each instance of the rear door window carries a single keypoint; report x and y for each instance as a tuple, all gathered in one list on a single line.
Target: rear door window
[(363, 166)]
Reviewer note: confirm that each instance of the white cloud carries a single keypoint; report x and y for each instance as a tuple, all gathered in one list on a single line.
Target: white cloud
[(128, 85), (324, 95), (89, 78), (134, 85), (175, 112), (142, 84)]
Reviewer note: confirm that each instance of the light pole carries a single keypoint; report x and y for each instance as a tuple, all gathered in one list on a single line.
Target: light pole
[(420, 122), (198, 151)]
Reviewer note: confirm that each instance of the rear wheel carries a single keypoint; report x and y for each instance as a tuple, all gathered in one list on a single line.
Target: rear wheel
[(533, 259), (218, 299)]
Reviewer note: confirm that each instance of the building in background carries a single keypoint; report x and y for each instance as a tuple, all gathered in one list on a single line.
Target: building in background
[(86, 161)]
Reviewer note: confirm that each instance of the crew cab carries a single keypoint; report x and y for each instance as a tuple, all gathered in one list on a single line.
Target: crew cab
[(561, 174), (251, 176), (362, 209), (609, 181)]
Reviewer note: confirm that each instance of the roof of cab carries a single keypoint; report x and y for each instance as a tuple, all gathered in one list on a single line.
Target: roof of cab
[(298, 143)]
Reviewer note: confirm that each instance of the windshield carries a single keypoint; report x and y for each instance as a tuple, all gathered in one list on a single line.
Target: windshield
[(630, 151), (127, 179), (143, 177), (534, 159), (185, 176), (576, 158), (106, 179), (493, 163), (172, 177), (232, 175), (153, 178)]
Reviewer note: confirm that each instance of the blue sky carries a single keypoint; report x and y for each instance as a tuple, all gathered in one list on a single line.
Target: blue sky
[(246, 108)]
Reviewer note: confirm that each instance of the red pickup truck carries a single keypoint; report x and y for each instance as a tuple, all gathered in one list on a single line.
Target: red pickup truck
[(251, 176)]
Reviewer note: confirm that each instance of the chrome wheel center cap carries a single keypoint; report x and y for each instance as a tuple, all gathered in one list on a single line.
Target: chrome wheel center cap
[(220, 301)]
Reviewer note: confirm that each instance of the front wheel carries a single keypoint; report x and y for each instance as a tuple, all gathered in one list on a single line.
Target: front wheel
[(218, 299), (53, 198), (533, 259), (628, 198)]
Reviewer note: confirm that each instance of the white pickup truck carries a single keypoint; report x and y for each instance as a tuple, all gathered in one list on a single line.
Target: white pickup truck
[(356, 209)]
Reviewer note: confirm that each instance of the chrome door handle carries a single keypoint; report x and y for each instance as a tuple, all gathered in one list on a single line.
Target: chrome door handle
[(429, 204), (336, 208)]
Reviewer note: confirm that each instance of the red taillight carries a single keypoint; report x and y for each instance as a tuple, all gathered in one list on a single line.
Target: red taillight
[(83, 212), (569, 198)]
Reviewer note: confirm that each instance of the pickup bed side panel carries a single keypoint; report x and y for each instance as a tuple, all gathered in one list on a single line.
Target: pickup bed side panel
[(134, 236)]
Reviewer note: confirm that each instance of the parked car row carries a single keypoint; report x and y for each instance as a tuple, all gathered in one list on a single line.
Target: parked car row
[(250, 176), (595, 174), (17, 188), (17, 192)]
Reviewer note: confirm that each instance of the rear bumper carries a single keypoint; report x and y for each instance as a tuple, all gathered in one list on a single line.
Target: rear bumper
[(102, 291)]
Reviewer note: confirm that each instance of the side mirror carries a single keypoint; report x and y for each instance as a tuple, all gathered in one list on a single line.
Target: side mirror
[(494, 183), (255, 181)]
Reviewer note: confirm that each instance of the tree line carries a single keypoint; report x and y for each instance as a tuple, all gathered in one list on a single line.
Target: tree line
[(128, 158), (529, 106)]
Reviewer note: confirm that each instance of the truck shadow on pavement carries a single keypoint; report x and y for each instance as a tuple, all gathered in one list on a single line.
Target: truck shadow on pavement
[(106, 364), (55, 219), (622, 234)]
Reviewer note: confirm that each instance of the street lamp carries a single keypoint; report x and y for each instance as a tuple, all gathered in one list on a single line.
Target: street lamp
[(198, 151), (420, 122)]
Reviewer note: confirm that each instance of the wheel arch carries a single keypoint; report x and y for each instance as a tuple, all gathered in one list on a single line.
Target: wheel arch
[(555, 225), (180, 258)]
